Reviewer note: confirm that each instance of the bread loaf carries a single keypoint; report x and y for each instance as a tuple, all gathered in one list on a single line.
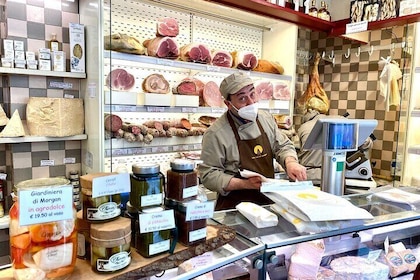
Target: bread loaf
[(55, 117)]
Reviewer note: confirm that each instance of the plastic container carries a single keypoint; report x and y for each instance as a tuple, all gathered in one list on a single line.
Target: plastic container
[(110, 245), (153, 243), (182, 180), (49, 249), (146, 186), (99, 209), (190, 232)]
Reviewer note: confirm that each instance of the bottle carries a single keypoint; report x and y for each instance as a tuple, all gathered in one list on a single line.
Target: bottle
[(327, 13), (323, 12), (313, 11), (54, 45)]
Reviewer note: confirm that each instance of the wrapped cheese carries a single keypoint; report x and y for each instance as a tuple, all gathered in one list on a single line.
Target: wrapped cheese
[(55, 117), (257, 215)]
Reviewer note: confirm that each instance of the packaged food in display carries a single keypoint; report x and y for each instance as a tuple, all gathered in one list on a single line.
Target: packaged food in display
[(257, 215), (43, 249), (182, 180), (83, 237), (110, 244), (102, 208), (146, 185)]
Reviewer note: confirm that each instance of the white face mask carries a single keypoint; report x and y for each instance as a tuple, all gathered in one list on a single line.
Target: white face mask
[(249, 112)]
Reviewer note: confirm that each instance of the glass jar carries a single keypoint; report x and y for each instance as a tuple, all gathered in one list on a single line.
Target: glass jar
[(98, 209), (110, 245), (132, 214), (152, 243), (83, 237), (49, 247), (146, 186), (190, 232), (182, 180)]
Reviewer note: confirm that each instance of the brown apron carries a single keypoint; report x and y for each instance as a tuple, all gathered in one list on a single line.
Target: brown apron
[(255, 155)]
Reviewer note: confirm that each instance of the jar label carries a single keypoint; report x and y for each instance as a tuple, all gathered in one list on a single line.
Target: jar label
[(190, 191), (115, 262), (159, 247), (197, 234), (150, 200), (162, 220), (111, 184), (105, 211), (199, 211)]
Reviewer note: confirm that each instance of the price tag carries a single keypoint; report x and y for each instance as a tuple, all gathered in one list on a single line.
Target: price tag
[(356, 27), (3, 176), (218, 110), (69, 160), (47, 162), (162, 220), (111, 184), (199, 211), (139, 151), (189, 110), (165, 62), (212, 68), (45, 205), (155, 109), (162, 149), (120, 108)]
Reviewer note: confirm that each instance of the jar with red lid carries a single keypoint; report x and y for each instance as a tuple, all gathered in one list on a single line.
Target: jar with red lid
[(182, 180)]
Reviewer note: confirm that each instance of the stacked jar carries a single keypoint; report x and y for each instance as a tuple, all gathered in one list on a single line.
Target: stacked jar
[(181, 193), (74, 180), (151, 221), (43, 245), (101, 225)]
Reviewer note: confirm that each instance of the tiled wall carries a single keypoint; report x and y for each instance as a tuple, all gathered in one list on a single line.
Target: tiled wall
[(352, 86), (33, 21)]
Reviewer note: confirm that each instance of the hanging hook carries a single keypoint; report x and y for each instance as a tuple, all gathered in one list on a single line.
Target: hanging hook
[(347, 55), (358, 52), (371, 50), (392, 49), (323, 54), (332, 55), (333, 61)]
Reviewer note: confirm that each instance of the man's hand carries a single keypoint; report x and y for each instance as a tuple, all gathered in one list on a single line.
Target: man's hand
[(294, 170), (240, 184)]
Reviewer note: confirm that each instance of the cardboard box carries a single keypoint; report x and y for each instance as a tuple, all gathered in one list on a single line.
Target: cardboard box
[(8, 45), (59, 61), (18, 45), (45, 64), (77, 47)]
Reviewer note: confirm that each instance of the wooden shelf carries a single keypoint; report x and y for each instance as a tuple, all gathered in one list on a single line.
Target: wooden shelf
[(265, 8)]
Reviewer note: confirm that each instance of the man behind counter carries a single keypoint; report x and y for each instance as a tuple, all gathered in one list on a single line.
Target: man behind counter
[(244, 138)]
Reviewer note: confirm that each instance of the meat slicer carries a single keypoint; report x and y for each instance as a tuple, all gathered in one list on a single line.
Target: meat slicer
[(359, 168)]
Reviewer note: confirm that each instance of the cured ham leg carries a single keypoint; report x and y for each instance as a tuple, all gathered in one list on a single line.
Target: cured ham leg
[(315, 96)]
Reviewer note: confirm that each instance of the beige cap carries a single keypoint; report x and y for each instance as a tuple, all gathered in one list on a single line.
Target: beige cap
[(234, 83)]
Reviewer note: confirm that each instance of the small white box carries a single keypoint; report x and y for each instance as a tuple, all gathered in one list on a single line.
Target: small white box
[(30, 55), (8, 45), (77, 47), (264, 104), (154, 99), (44, 64), (279, 104), (32, 64), (44, 53), (20, 63), (19, 55), (18, 45), (185, 100), (7, 62), (120, 98), (59, 61)]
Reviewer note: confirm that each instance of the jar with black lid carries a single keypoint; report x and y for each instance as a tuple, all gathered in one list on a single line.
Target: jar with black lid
[(146, 186), (190, 232), (182, 180), (149, 244)]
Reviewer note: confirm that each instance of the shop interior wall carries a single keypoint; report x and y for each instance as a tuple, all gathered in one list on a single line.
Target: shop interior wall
[(352, 85), (33, 22)]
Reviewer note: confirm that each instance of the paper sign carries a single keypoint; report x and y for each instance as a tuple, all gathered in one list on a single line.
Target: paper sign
[(156, 221), (45, 205), (356, 27), (112, 184), (199, 211)]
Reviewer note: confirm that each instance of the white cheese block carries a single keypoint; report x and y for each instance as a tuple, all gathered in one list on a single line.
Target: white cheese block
[(55, 117), (356, 268), (14, 127), (54, 257), (3, 118)]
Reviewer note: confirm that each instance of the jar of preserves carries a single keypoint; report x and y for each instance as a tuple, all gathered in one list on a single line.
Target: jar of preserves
[(102, 208), (191, 231), (182, 180), (152, 243), (49, 248), (132, 214), (146, 186), (110, 245), (83, 237)]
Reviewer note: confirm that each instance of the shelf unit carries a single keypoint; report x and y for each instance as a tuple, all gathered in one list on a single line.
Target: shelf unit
[(29, 72)]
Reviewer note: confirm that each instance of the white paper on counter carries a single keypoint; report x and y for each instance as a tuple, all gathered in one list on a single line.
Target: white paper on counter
[(400, 196), (257, 215), (316, 205)]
